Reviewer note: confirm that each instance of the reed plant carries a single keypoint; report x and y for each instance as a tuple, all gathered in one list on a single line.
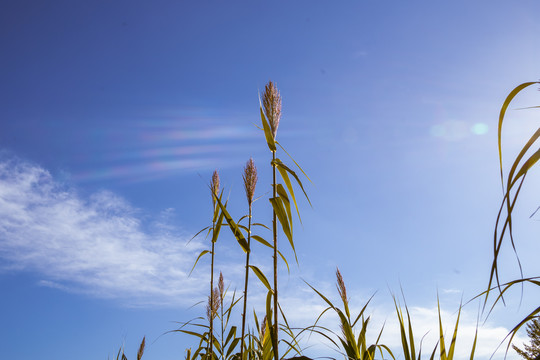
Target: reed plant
[(511, 187), (250, 182), (262, 341), (352, 347), (122, 356), (270, 110)]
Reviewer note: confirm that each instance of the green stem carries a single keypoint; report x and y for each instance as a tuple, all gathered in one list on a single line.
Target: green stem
[(274, 228), (211, 336), (246, 287), (222, 329)]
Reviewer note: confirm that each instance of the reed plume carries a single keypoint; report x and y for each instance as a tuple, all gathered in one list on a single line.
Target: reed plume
[(250, 180), (272, 106), (214, 186), (213, 305), (141, 348), (221, 288), (341, 286)]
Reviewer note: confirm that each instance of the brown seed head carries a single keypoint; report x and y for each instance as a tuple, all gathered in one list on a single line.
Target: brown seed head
[(250, 180), (341, 286), (213, 304), (141, 349), (272, 106), (221, 287), (263, 328), (214, 186)]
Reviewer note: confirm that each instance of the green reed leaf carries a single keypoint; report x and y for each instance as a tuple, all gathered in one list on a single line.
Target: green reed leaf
[(234, 227), (266, 243), (217, 228), (277, 205), (283, 195), (204, 252), (299, 167), (267, 131), (280, 164), (261, 277), (502, 113)]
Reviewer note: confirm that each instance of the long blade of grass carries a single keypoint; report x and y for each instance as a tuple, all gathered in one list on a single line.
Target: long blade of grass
[(217, 228), (280, 164), (266, 243), (261, 277), (204, 252), (288, 183), (233, 226), (526, 166), (441, 333), (267, 131), (299, 167), (454, 337), (283, 195), (277, 205), (502, 113)]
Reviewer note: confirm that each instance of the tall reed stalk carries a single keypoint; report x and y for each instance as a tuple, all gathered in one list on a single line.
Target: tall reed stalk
[(214, 187), (272, 108), (250, 182)]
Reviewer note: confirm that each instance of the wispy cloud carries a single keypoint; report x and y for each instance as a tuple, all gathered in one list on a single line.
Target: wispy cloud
[(96, 245), (100, 246)]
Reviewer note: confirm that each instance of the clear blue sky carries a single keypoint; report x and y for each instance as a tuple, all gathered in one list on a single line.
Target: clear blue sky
[(113, 115)]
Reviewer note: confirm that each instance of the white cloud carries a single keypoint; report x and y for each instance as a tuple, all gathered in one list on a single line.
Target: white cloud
[(97, 245), (100, 246)]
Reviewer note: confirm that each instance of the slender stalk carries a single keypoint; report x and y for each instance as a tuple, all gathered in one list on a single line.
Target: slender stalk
[(246, 286), (214, 186), (211, 335), (221, 287), (272, 107), (250, 181), (274, 230)]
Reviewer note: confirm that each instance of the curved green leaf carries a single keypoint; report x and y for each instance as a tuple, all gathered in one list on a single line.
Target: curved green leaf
[(283, 195), (234, 227), (502, 113), (267, 131), (277, 205), (261, 277), (198, 258)]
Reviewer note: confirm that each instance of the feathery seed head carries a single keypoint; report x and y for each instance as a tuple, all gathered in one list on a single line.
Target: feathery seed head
[(263, 328), (341, 286), (213, 304), (141, 349), (272, 106), (221, 287), (214, 186), (250, 180)]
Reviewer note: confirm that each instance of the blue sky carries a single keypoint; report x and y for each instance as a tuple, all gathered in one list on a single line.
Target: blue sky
[(113, 115)]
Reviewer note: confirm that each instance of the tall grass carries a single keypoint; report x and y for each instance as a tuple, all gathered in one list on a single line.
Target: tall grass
[(261, 341), (250, 182), (511, 186)]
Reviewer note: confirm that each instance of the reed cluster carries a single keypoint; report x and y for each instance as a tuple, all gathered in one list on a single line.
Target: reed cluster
[(263, 340)]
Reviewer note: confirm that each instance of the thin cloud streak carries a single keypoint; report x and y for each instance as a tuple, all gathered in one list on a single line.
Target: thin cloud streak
[(99, 246)]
